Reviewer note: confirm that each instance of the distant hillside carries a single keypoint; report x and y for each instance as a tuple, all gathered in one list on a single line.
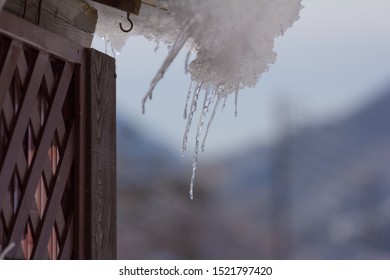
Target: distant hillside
[(156, 219), (141, 161), (323, 192), (327, 188)]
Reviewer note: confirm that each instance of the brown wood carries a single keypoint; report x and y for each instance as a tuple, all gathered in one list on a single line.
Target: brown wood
[(12, 26), (130, 6), (54, 199), (72, 19), (80, 166), (39, 135), (18, 132), (9, 67), (153, 3), (101, 156), (68, 241), (57, 146), (41, 155)]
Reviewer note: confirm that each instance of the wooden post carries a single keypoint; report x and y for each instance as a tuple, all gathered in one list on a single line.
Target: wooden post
[(87, 142), (101, 157)]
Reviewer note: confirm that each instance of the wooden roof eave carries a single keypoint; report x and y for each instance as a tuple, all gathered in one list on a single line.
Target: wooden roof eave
[(72, 19), (130, 6)]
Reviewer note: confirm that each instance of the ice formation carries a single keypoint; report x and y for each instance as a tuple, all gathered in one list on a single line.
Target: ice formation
[(232, 42), (155, 24)]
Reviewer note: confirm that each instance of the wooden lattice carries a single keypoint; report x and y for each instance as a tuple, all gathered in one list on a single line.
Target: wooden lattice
[(38, 147)]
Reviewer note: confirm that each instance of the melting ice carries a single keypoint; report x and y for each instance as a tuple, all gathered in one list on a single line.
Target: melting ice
[(231, 42), (233, 45)]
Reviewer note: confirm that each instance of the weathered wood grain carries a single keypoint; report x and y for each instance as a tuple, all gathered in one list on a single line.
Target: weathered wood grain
[(72, 19), (101, 156), (131, 6)]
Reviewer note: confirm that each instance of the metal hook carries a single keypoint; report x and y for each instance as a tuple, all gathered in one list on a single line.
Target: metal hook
[(131, 24)]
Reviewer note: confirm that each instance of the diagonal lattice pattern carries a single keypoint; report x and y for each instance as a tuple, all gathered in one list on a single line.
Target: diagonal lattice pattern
[(38, 132)]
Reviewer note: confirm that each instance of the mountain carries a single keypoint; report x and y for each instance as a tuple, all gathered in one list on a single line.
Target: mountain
[(156, 218), (326, 188), (139, 157), (322, 192)]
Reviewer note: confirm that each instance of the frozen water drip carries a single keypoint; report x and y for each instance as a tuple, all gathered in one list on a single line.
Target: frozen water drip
[(232, 43)]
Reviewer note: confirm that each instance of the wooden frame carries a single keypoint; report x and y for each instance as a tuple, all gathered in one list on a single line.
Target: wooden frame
[(101, 156), (71, 19), (130, 6), (94, 226)]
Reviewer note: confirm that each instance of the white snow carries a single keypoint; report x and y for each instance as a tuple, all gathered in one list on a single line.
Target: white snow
[(152, 23), (232, 42), (107, 28)]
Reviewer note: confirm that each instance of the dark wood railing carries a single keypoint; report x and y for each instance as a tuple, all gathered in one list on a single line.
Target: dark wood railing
[(49, 201)]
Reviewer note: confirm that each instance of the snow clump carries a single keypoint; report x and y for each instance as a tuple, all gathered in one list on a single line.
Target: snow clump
[(231, 41)]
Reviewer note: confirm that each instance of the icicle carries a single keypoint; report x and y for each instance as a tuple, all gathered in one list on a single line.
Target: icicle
[(224, 102), (210, 122), (187, 61), (206, 104), (228, 56), (106, 44), (179, 43), (235, 103), (156, 48), (113, 51), (194, 104), (188, 98)]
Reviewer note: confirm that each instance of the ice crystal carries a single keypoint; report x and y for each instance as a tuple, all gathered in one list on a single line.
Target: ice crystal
[(233, 45)]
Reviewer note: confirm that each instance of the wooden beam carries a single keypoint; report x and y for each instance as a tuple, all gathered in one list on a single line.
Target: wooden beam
[(101, 156), (12, 26), (153, 3), (71, 19), (130, 6)]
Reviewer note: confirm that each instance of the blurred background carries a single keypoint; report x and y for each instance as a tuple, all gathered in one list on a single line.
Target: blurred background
[(301, 173)]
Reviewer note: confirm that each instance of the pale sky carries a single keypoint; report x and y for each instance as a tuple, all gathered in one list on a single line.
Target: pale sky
[(329, 63)]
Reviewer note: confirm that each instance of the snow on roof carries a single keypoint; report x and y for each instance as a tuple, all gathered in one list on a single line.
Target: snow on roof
[(232, 41), (152, 22)]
